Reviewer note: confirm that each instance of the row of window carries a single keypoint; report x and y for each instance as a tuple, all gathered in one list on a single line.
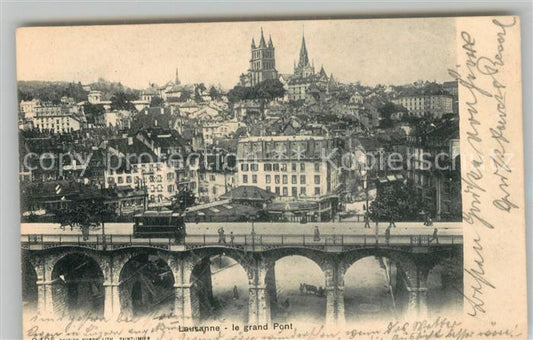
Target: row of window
[(284, 191), (276, 167), (159, 188), (281, 179)]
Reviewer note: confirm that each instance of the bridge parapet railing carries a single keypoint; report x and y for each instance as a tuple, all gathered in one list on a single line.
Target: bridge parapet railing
[(259, 240)]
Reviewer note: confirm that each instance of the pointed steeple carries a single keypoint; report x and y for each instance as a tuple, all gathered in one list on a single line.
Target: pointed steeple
[(270, 41), (253, 43), (323, 72), (304, 58), (262, 43)]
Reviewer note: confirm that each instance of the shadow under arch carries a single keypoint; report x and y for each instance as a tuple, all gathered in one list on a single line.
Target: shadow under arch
[(219, 284), (373, 285), (146, 285), (77, 285), (300, 296), (445, 285), (29, 284)]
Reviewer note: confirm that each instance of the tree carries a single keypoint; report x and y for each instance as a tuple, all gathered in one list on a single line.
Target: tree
[(156, 101), (84, 213), (399, 201), (386, 111), (264, 92), (93, 111), (237, 93), (185, 95), (122, 101), (198, 90), (213, 93), (183, 199)]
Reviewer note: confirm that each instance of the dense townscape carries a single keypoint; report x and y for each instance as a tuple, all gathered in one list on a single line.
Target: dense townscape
[(285, 147)]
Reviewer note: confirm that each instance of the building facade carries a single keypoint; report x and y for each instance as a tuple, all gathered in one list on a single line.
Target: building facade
[(427, 105), (289, 166), (27, 108), (158, 178), (58, 119)]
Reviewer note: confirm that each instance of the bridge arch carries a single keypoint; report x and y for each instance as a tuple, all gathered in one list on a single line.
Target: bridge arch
[(219, 280), (146, 283), (315, 255), (301, 294), (371, 284), (77, 283)]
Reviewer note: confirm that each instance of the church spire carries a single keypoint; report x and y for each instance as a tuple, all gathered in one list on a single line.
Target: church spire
[(262, 43), (177, 80), (304, 58), (253, 43), (270, 41)]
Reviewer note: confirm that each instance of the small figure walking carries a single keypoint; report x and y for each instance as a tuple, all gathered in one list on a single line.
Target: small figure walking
[(392, 223), (435, 236), (367, 219), (316, 238), (231, 238), (387, 235), (235, 293), (221, 236)]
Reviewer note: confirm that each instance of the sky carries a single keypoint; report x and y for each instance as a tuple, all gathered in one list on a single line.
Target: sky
[(391, 51)]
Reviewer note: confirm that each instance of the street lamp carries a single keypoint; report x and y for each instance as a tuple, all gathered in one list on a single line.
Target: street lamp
[(364, 173)]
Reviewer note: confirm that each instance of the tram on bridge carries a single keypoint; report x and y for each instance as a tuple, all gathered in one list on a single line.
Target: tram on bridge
[(154, 224)]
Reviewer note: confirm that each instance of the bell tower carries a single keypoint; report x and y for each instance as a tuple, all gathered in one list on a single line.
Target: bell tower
[(263, 61)]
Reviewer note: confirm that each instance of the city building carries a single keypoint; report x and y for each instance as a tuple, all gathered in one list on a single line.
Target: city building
[(58, 118), (289, 166), (452, 88), (426, 105), (157, 178), (212, 131), (262, 63), (117, 118), (27, 108), (434, 166), (213, 184), (94, 97)]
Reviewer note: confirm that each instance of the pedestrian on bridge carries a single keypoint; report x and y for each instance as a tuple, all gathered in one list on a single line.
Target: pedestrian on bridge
[(387, 235), (367, 219), (221, 236), (435, 236), (231, 238), (316, 238), (392, 223)]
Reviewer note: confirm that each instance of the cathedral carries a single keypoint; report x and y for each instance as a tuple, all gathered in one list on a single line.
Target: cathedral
[(301, 85), (262, 63), (304, 80)]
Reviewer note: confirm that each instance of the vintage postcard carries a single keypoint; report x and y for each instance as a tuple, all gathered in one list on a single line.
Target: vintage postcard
[(314, 179)]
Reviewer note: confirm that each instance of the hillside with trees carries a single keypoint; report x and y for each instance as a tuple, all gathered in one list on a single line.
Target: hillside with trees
[(52, 91)]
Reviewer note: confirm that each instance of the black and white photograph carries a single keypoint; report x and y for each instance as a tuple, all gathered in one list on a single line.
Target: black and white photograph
[(227, 179)]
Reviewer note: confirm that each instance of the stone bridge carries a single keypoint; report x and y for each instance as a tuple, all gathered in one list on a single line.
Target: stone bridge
[(52, 261)]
